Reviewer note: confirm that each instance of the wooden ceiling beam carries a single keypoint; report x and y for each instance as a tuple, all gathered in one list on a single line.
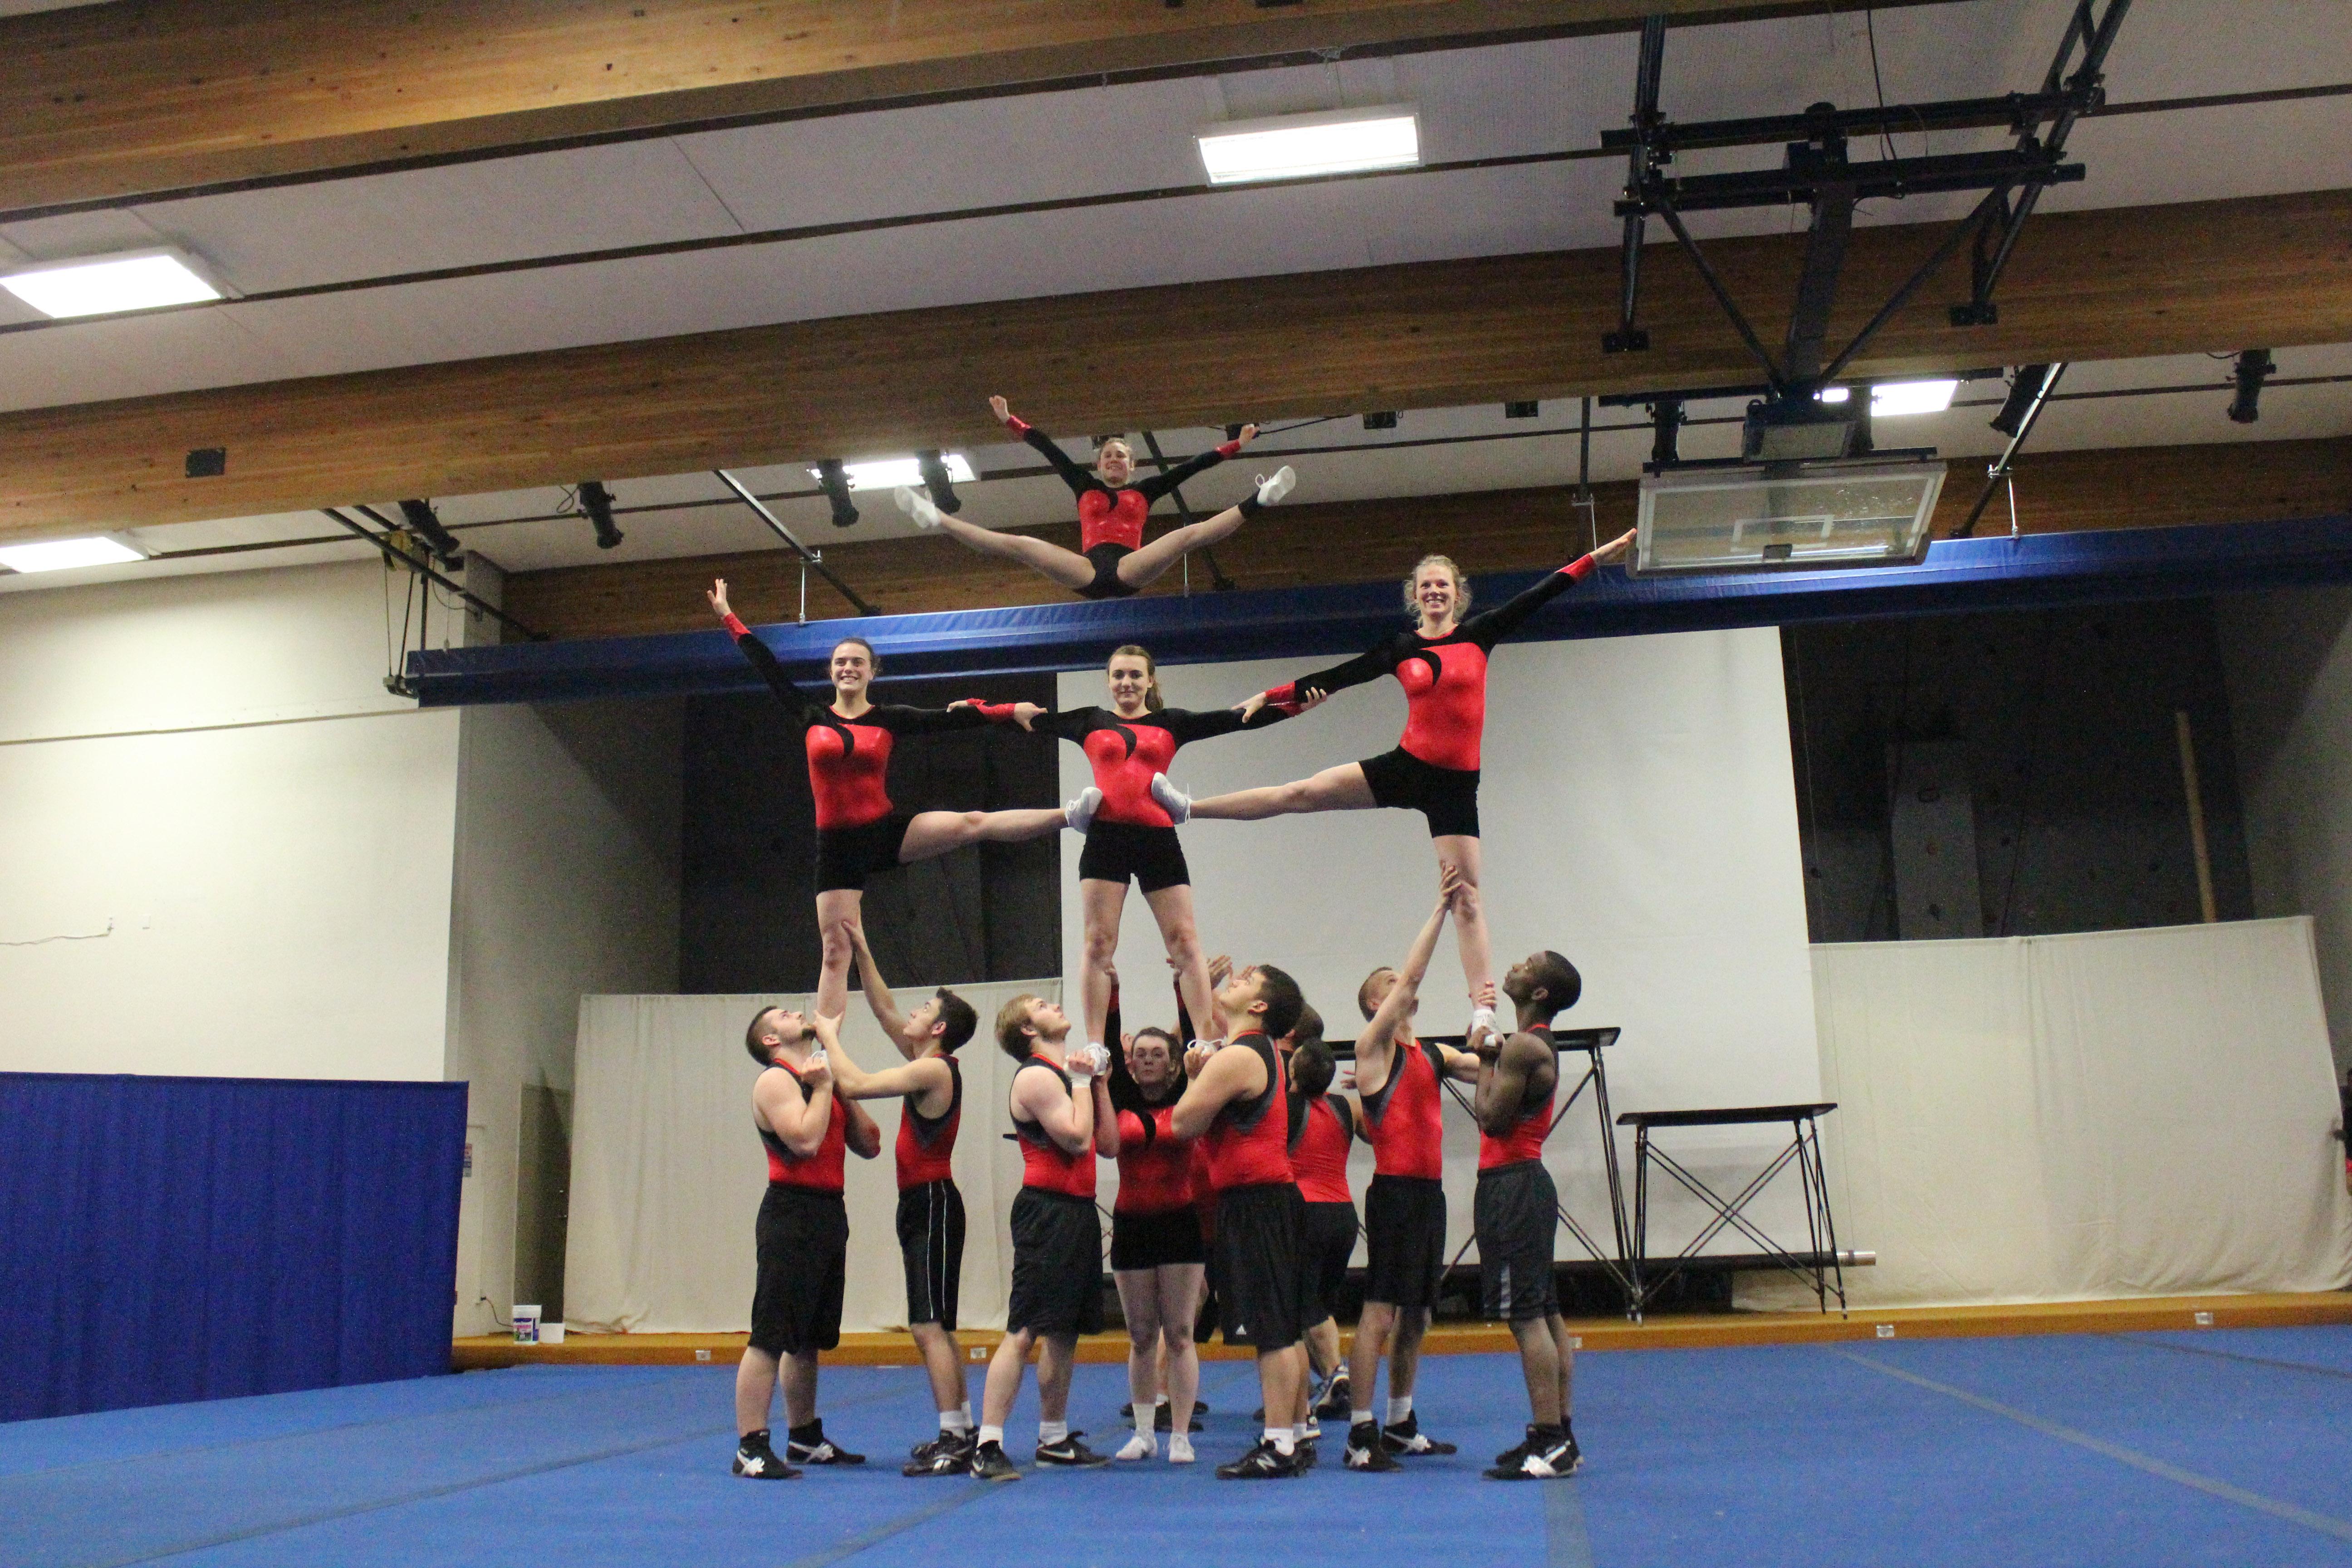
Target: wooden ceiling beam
[(100, 103), (2273, 272), (1311, 545)]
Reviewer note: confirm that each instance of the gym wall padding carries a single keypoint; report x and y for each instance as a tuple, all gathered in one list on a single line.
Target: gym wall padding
[(164, 1239)]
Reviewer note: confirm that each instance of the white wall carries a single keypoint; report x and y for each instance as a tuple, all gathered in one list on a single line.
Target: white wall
[(2288, 659), (212, 766), (1638, 814), (565, 883)]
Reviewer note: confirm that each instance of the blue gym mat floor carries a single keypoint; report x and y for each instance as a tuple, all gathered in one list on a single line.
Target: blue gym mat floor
[(2225, 1447)]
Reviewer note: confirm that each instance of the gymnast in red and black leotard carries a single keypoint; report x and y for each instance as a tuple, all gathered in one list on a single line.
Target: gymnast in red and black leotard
[(1441, 663), (858, 832), (1111, 561), (1129, 835)]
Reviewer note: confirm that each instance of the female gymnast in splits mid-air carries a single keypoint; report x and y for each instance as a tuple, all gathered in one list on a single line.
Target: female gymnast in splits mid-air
[(858, 832), (1129, 836), (1111, 561), (1441, 663)]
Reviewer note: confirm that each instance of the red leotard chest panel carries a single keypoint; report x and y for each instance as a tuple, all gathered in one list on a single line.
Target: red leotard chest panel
[(1124, 758), (1248, 1143), (926, 1149), (1404, 1121), (1445, 703), (847, 768), (1046, 1165), (1525, 1141), (1111, 516), (820, 1171), (1155, 1170), (1320, 1156)]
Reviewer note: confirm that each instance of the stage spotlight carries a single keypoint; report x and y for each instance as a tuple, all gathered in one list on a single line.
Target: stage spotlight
[(2254, 367), (835, 483), (2023, 388), (1666, 439), (1384, 420), (938, 480), (1527, 410), (418, 515), (597, 503)]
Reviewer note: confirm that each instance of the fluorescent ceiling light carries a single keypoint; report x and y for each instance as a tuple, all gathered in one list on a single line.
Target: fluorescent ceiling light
[(889, 473), (62, 554), (1834, 394), (1298, 146), (1895, 398), (100, 285)]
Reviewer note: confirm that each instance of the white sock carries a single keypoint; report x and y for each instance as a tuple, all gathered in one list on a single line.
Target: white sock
[(1400, 1406), (992, 1435), (1360, 1418), (955, 1423), (1299, 1432), (1280, 1437), (1052, 1431), (1144, 1419)]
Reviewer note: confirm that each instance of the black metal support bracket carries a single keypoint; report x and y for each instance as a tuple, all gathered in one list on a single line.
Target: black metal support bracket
[(1641, 158), (2000, 472)]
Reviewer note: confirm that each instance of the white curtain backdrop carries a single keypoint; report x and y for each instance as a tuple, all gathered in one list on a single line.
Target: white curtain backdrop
[(668, 1171), (2071, 1118)]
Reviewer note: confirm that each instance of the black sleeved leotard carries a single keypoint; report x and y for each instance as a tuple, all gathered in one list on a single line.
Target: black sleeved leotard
[(1125, 752), (1109, 515), (1444, 679)]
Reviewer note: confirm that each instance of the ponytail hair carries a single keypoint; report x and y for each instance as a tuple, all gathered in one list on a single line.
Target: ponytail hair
[(1152, 701)]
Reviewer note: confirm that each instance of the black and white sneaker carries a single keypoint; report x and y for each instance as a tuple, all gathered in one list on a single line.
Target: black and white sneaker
[(1549, 1454), (1070, 1453), (1302, 1454), (1405, 1436), (755, 1461), (1517, 1451), (1365, 1449), (989, 1464), (1264, 1463), (815, 1449), (947, 1454), (1333, 1401)]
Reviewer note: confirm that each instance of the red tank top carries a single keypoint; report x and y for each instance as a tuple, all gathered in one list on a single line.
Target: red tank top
[(1403, 1117), (926, 1146), (818, 1172), (1155, 1167), (1525, 1141), (1248, 1143), (1319, 1154), (1046, 1165)]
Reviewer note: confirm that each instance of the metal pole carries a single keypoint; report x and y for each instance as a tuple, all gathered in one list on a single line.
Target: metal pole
[(809, 558), (2000, 470), (393, 554)]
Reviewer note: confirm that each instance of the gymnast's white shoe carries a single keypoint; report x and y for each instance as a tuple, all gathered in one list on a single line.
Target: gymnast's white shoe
[(1079, 812), (1142, 1445), (1173, 800), (1180, 1448), (917, 505), (1270, 490)]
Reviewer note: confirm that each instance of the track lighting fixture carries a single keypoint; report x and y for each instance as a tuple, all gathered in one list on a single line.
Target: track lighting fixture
[(2023, 388), (835, 483), (421, 522), (938, 480), (596, 502), (2254, 367)]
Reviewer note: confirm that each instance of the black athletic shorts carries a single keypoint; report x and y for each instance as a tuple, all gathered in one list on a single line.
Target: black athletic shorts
[(1056, 1264), (1516, 1215), (803, 1242), (1404, 1240), (1107, 582), (931, 1245), (1331, 1242), (1264, 1286), (1118, 850), (846, 857), (1448, 797), (1151, 1240)]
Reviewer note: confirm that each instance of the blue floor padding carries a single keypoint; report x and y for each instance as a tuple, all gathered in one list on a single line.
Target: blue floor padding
[(1800, 1455)]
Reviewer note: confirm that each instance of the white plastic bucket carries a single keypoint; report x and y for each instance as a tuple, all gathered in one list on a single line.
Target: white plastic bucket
[(526, 1324)]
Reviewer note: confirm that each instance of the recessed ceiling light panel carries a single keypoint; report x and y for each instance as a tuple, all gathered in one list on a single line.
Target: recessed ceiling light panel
[(64, 554), (1302, 146), (1894, 399), (889, 473), (104, 285)]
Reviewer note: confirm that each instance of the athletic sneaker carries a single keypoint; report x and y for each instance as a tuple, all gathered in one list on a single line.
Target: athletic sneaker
[(1264, 1463), (1080, 811), (1405, 1437), (1180, 1449), (816, 1450), (940, 1440), (919, 506), (950, 1455), (1333, 1400), (1173, 800), (1303, 1455), (989, 1464), (1519, 1450), (755, 1461), (1070, 1453), (1549, 1454), (1365, 1449), (1270, 490), (1142, 1446)]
